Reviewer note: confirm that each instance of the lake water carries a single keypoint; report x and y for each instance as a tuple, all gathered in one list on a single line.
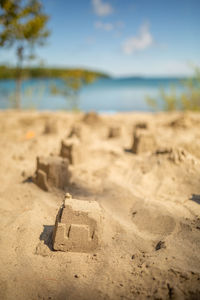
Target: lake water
[(104, 95)]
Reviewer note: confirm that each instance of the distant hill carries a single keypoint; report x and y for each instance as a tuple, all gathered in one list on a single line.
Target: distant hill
[(7, 72)]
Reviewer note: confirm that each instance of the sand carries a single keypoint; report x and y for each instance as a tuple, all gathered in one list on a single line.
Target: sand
[(149, 198)]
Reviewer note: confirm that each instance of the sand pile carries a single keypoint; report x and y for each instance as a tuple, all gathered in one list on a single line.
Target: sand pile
[(92, 119), (132, 227)]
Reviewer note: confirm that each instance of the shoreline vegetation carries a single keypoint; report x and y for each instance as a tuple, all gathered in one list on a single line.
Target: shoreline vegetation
[(9, 72)]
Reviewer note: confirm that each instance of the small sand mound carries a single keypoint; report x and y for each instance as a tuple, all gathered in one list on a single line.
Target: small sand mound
[(184, 121), (52, 172), (92, 118)]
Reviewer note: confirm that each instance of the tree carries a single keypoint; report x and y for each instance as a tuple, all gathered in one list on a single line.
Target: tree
[(23, 26)]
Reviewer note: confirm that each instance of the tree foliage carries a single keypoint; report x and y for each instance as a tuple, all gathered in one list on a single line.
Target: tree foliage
[(22, 25), (22, 22), (7, 72)]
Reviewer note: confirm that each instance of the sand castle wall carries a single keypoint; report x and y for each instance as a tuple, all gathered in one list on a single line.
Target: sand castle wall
[(143, 141), (52, 172), (77, 226), (73, 150)]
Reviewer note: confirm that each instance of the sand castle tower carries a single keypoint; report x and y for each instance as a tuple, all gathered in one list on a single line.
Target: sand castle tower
[(72, 150), (76, 131), (114, 132), (91, 118), (51, 172), (143, 141), (77, 226)]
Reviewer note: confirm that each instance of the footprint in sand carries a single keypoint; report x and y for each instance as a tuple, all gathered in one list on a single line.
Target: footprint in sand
[(147, 219), (152, 219)]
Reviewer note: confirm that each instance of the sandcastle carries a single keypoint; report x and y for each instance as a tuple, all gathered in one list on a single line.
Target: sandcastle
[(51, 172), (76, 131), (114, 132), (77, 226), (141, 125), (143, 141), (50, 127), (72, 150)]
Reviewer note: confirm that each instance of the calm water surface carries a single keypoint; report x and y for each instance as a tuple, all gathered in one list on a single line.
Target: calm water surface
[(104, 95)]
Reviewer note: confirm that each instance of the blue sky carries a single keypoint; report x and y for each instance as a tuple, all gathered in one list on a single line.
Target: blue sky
[(122, 37)]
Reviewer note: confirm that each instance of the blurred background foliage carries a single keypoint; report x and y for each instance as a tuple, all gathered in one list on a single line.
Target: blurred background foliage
[(189, 99), (22, 26), (7, 72), (72, 83)]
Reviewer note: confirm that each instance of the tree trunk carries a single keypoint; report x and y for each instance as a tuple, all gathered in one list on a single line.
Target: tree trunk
[(19, 77), (18, 92)]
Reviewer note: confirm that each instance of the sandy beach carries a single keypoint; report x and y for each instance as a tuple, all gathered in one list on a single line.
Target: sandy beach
[(143, 170)]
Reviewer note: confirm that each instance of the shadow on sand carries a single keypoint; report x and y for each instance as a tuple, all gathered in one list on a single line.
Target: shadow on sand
[(47, 235), (195, 198)]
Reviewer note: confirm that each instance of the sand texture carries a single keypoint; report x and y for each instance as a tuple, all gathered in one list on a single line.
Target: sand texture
[(141, 170)]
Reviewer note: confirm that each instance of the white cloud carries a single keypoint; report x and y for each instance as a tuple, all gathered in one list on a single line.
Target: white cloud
[(137, 43), (104, 26), (102, 8)]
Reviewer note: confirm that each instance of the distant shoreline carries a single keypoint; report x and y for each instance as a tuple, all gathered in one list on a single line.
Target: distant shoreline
[(7, 72)]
